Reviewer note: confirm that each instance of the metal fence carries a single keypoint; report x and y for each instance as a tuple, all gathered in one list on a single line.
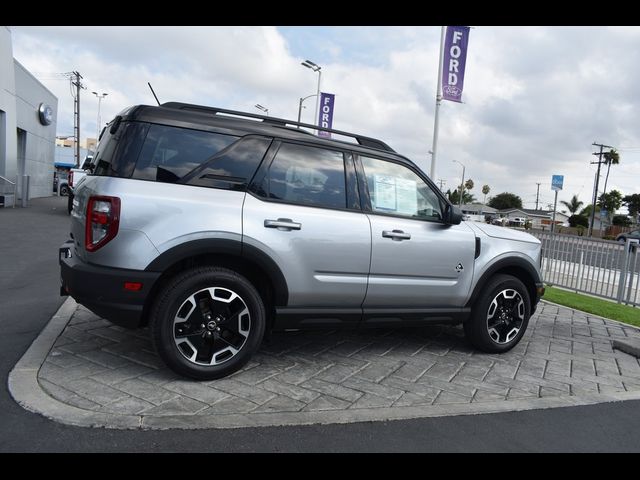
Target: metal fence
[(598, 267)]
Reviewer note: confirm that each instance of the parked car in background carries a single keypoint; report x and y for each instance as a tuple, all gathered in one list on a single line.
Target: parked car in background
[(634, 234), (61, 183), (75, 175)]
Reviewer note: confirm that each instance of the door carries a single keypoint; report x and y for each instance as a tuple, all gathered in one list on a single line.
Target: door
[(417, 260), (303, 213)]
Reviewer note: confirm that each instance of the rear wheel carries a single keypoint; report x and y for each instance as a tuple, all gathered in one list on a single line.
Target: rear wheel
[(207, 322), (64, 190), (500, 316)]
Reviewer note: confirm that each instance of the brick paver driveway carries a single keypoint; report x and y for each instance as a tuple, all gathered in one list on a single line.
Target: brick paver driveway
[(342, 376)]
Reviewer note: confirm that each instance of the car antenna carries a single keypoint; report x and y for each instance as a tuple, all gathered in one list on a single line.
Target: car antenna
[(154, 93)]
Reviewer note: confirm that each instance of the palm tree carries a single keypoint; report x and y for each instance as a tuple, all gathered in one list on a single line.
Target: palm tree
[(574, 205), (485, 190), (612, 157)]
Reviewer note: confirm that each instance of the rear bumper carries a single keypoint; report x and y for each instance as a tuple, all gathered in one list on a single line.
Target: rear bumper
[(101, 289)]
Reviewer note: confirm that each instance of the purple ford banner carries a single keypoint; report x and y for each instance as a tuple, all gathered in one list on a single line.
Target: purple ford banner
[(455, 58), (325, 116)]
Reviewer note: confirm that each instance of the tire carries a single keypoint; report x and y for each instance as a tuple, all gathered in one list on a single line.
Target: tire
[(500, 316), (207, 322), (64, 190), (622, 240)]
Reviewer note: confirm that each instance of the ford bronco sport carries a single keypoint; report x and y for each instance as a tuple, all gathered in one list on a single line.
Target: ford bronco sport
[(213, 226)]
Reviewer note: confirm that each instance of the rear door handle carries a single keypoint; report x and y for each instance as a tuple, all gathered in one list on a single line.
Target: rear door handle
[(398, 235), (283, 224)]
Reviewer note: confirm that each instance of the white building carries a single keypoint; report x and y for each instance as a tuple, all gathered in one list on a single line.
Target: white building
[(28, 113)]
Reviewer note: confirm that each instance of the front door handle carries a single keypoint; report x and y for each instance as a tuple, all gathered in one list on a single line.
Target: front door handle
[(398, 235), (283, 224)]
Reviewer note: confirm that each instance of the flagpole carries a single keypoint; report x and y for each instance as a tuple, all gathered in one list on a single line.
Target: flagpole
[(434, 148)]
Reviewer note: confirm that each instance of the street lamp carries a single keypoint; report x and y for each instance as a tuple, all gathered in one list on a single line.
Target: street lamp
[(318, 69), (264, 109), (462, 184), (300, 106), (100, 97)]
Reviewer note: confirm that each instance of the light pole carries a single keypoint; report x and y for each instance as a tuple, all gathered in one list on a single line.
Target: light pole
[(300, 106), (264, 109), (318, 70), (462, 184), (100, 97)]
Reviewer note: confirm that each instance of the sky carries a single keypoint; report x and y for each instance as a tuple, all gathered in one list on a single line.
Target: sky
[(535, 98)]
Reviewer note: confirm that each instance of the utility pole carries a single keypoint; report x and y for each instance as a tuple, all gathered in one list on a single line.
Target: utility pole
[(75, 77), (595, 187), (441, 182), (537, 195)]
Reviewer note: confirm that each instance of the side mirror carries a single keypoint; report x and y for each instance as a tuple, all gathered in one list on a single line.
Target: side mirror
[(454, 215)]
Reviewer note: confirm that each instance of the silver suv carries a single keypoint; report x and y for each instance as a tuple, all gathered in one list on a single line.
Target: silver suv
[(213, 227)]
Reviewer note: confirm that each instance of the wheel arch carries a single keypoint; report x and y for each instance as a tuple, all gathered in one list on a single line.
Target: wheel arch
[(258, 267), (516, 267)]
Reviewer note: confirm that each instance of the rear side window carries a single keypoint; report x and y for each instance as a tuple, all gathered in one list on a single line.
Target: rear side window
[(171, 153), (307, 176)]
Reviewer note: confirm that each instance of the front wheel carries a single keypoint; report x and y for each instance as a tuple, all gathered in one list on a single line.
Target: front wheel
[(207, 322), (500, 316)]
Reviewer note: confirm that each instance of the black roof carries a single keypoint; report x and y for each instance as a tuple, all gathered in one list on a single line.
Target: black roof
[(231, 122)]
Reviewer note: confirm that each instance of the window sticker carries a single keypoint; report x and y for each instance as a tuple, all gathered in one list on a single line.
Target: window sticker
[(395, 194), (406, 197), (385, 192)]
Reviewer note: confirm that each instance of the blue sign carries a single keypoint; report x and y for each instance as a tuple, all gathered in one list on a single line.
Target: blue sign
[(556, 182)]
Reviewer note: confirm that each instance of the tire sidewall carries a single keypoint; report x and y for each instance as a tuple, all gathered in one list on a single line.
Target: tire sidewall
[(173, 296), (478, 330)]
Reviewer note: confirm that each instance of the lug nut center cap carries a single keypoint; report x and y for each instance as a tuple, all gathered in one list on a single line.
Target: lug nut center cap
[(211, 325)]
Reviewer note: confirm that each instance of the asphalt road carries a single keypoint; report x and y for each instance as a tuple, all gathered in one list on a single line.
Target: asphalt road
[(29, 282)]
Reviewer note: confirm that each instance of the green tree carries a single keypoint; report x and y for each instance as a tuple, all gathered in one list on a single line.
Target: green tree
[(485, 191), (574, 205), (454, 197), (612, 157), (610, 201), (575, 220), (632, 202), (469, 184), (505, 200), (586, 211)]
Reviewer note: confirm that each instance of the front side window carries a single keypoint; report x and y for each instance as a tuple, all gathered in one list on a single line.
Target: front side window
[(395, 189), (307, 176)]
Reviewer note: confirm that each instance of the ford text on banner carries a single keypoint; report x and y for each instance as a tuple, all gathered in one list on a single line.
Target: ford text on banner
[(455, 58), (325, 115)]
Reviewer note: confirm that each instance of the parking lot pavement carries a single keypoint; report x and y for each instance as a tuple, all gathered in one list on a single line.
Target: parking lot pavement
[(82, 370)]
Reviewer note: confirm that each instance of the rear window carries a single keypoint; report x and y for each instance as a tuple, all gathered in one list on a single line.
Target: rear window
[(117, 153)]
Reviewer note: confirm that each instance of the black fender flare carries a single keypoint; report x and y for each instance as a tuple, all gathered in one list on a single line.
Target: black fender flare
[(508, 264), (226, 247)]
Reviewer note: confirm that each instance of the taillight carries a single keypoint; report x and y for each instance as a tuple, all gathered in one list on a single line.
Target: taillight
[(70, 179), (103, 220)]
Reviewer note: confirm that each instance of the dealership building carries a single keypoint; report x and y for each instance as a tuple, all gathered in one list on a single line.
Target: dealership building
[(28, 113)]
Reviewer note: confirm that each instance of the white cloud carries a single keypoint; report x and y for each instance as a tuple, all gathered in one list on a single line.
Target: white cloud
[(535, 97)]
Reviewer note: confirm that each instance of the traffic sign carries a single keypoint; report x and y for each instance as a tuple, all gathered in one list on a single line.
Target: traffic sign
[(556, 182)]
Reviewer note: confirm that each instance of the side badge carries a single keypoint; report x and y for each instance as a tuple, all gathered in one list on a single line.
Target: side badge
[(459, 268)]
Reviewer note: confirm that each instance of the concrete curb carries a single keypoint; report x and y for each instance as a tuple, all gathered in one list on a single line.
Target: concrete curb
[(25, 389)]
